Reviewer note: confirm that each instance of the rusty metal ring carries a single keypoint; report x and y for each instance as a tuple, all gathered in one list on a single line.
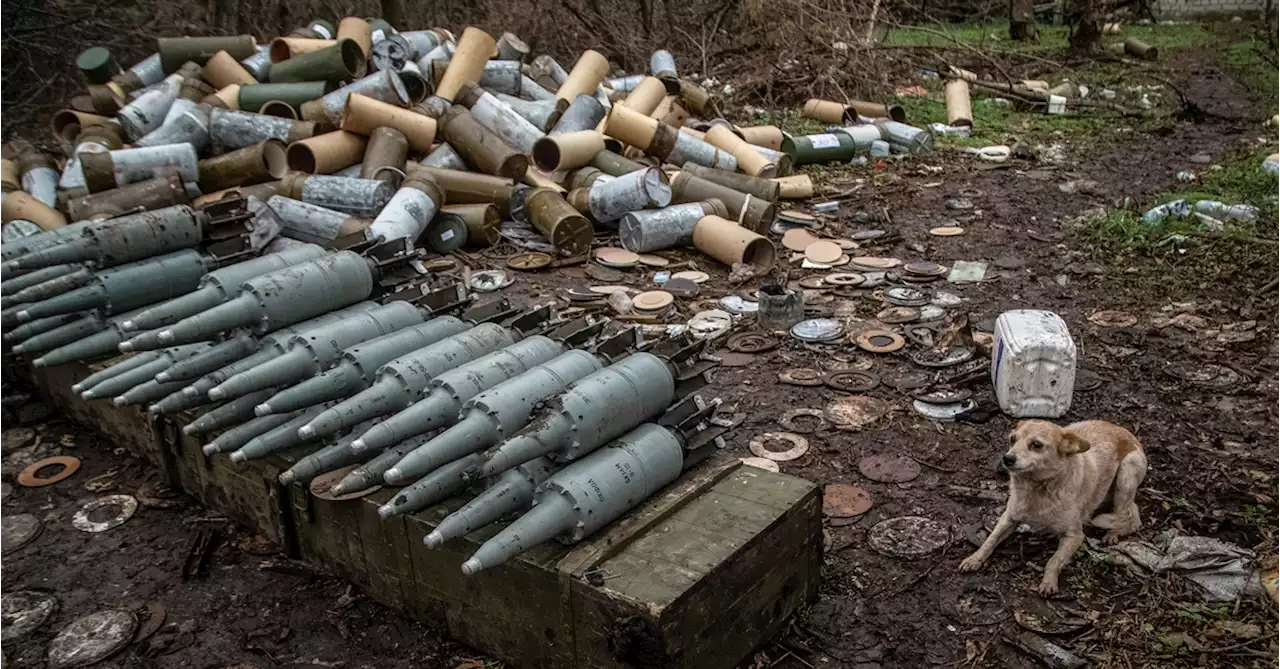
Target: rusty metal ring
[(879, 341), (800, 376), (851, 381), (29, 477), (799, 447), (500, 251), (751, 342), (788, 420)]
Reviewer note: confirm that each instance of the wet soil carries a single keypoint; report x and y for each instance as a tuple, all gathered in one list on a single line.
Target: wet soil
[(1211, 451)]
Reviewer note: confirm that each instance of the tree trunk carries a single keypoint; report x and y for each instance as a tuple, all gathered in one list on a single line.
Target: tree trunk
[(1022, 20), (1088, 32)]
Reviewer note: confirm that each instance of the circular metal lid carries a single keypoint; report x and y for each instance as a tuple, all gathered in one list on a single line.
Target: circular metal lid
[(894, 315), (735, 304), (489, 280), (932, 358), (18, 530), (908, 537), (906, 297), (874, 263), (823, 252), (817, 329), (889, 468), (529, 261), (841, 500), (582, 294), (30, 476), (751, 342), (851, 381), (681, 287), (797, 444), (924, 269), (118, 509), (92, 638), (844, 279), (607, 290), (23, 612), (943, 412), (812, 282), (800, 376), (947, 231), (652, 260), (810, 415), (852, 413), (692, 275), (652, 300), (611, 256)]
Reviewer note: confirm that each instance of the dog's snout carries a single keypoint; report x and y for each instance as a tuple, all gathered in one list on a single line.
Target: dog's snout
[(1009, 460)]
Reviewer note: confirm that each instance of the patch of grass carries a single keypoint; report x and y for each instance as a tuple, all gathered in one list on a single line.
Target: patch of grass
[(1051, 38), (1244, 61)]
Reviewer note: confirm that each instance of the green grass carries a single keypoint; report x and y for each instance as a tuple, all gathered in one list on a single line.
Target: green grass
[(1244, 62), (1051, 38)]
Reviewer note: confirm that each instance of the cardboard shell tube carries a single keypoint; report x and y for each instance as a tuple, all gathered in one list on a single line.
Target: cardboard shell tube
[(646, 96), (537, 179), (730, 243), (630, 127), (252, 164), (567, 229), (284, 48), (472, 188), (763, 188), (480, 147), (755, 213), (327, 153), (613, 164), (768, 136), (671, 112), (63, 120), (22, 206), (484, 222), (227, 96), (796, 187), (877, 110), (222, 70), (959, 109), (1036, 85), (363, 115), (279, 109), (473, 51), (1140, 49), (388, 148), (358, 29), (567, 151), (585, 77), (696, 98), (749, 161), (826, 111), (9, 175)]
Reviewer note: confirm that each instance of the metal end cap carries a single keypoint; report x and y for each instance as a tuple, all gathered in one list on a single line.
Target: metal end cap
[(357, 446), (386, 511), (392, 476), (125, 347), (127, 326), (209, 449), (286, 477), (190, 391), (471, 567), (238, 457), (38, 362), (263, 409), (434, 539), (76, 388), (23, 316), (217, 394), (189, 429), (306, 432), (166, 337), (87, 395), (120, 401)]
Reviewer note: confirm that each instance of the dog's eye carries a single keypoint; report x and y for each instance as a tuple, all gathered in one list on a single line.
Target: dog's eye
[(1013, 438), (1037, 445)]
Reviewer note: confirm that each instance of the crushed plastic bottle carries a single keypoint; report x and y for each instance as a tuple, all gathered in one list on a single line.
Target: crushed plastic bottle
[(1272, 164), (1177, 209), (1222, 211), (956, 130)]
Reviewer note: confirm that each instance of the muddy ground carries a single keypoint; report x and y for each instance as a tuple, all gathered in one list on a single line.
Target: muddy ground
[(1211, 452)]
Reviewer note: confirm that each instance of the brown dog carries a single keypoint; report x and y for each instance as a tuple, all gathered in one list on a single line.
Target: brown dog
[(1058, 477)]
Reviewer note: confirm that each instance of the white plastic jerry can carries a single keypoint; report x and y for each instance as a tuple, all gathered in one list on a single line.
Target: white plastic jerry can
[(1033, 364)]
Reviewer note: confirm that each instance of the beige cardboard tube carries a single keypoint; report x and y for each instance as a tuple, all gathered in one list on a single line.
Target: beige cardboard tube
[(10, 175), (467, 65), (363, 115), (795, 187), (959, 109), (730, 243), (63, 119), (567, 150), (359, 30), (1036, 85), (284, 48), (279, 109), (21, 206), (327, 153), (229, 95), (961, 73), (825, 111), (693, 133), (538, 179), (585, 76), (749, 161), (222, 70), (671, 112), (646, 96), (630, 127), (768, 136)]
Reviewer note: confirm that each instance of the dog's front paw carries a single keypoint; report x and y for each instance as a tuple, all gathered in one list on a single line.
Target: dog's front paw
[(973, 563), (1111, 538), (1047, 588)]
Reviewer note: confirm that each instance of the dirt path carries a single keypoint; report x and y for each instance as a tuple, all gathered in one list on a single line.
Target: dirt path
[(254, 609)]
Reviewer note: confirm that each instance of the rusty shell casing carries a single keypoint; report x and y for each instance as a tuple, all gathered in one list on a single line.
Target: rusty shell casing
[(384, 158), (194, 90), (327, 153), (614, 164), (470, 188), (498, 76), (827, 111), (144, 73), (657, 229), (223, 70), (357, 30), (585, 77), (532, 90), (467, 65), (383, 86), (567, 229), (624, 84), (363, 115), (646, 189), (498, 118), (40, 177), (243, 167), (421, 41), (755, 213), (158, 193), (104, 171), (230, 129), (479, 147), (259, 64), (174, 51), (877, 110), (542, 114), (351, 195), (584, 113), (483, 221), (415, 85), (697, 100), (443, 156), (392, 53), (22, 206), (765, 189), (585, 177), (262, 191), (341, 62)]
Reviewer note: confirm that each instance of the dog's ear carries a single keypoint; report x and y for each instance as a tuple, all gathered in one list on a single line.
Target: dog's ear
[(1070, 443)]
